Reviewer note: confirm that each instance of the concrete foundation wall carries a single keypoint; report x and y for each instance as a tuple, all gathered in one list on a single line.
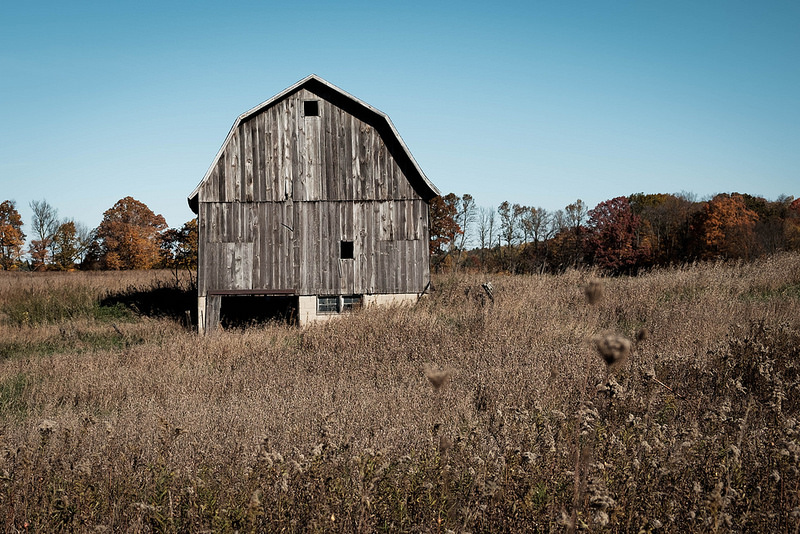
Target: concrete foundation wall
[(208, 308), (307, 310), (307, 306)]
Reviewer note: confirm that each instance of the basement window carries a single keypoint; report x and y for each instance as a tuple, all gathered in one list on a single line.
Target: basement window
[(351, 302), (327, 304), (347, 250), (338, 303), (311, 108)]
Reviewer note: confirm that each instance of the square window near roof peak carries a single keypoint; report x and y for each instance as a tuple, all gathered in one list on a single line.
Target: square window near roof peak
[(311, 108)]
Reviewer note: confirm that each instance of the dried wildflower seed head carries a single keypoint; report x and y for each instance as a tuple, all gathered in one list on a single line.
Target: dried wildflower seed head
[(593, 291), (613, 348), (642, 335), (445, 444), (437, 378), (47, 426), (255, 499)]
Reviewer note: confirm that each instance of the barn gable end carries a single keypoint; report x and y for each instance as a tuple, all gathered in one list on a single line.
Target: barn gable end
[(313, 194)]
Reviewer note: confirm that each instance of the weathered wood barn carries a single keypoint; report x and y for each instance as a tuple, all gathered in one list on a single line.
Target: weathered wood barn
[(314, 198)]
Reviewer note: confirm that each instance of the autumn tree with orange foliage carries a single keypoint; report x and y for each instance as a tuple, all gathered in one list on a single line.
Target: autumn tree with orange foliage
[(443, 225), (11, 236), (726, 227), (70, 243), (128, 236)]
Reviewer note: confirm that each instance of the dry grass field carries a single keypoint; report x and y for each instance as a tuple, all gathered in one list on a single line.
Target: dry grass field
[(456, 415)]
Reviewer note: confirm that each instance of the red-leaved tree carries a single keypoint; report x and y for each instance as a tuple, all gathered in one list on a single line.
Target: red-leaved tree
[(612, 240)]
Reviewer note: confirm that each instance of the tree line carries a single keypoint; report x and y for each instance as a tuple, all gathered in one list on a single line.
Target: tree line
[(621, 235), (130, 236)]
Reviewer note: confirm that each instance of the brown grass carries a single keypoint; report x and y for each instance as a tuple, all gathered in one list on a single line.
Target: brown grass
[(126, 422)]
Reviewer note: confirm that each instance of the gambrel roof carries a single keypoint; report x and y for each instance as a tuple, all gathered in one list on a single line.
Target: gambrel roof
[(356, 107)]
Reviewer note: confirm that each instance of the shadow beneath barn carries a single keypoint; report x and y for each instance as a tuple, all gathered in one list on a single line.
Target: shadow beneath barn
[(161, 300), (240, 311)]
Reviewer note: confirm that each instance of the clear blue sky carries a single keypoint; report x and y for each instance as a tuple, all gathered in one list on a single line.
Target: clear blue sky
[(538, 103)]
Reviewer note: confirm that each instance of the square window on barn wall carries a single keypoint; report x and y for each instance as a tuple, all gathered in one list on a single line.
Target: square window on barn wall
[(347, 250), (311, 108)]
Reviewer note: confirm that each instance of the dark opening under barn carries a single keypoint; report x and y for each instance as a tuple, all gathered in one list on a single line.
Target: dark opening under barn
[(245, 310)]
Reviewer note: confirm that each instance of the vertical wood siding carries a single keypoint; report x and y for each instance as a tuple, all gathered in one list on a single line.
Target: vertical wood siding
[(296, 245), (280, 154), (288, 189)]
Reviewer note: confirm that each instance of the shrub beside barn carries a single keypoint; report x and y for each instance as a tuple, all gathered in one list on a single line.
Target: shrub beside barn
[(313, 202)]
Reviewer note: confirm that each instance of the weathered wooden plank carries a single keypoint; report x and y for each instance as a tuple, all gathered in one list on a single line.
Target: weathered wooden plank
[(246, 251), (415, 218), (342, 174), (318, 254), (365, 163), (209, 191), (372, 253), (355, 190), (294, 118), (358, 225), (270, 213), (293, 245), (222, 169), (243, 254), (258, 241), (203, 237), (325, 239), (314, 158), (346, 176), (300, 157), (400, 220), (311, 253), (276, 216), (233, 178), (286, 166), (271, 190), (258, 158), (326, 149), (248, 155)]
